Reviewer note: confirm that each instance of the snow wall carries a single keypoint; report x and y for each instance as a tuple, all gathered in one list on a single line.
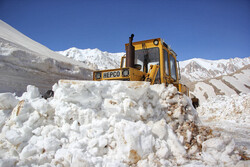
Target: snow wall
[(118, 123)]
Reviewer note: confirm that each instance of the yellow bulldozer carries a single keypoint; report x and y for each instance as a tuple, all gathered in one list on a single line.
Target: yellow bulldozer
[(150, 61)]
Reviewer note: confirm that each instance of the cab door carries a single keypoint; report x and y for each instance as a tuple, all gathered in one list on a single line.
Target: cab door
[(170, 66)]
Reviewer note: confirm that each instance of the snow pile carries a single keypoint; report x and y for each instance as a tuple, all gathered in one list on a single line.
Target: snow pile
[(235, 107), (108, 124), (94, 58)]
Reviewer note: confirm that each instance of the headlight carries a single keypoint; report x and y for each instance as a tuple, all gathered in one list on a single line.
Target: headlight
[(156, 42), (125, 72), (98, 75)]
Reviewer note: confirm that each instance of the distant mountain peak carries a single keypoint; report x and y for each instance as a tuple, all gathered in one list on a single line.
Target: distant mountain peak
[(95, 58)]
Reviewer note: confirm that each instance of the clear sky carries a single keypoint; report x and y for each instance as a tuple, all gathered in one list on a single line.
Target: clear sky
[(209, 29)]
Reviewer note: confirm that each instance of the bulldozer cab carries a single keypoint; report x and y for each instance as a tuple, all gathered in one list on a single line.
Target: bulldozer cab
[(149, 60), (156, 52)]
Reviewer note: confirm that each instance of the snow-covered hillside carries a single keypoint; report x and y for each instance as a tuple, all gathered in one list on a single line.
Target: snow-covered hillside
[(24, 61), (94, 58), (125, 124), (236, 83), (201, 69), (209, 78)]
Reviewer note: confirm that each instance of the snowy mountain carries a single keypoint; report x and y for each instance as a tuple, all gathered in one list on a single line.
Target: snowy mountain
[(94, 58), (24, 62), (200, 69)]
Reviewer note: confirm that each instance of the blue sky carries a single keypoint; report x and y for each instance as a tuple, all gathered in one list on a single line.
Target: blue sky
[(209, 29)]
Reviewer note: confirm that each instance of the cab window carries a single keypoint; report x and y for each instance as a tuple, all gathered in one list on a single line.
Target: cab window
[(146, 57), (173, 67), (166, 61)]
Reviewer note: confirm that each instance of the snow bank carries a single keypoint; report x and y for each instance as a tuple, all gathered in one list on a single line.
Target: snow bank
[(25, 62), (234, 107), (90, 123)]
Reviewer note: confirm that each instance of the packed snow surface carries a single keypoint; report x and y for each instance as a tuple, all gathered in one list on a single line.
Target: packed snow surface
[(117, 123)]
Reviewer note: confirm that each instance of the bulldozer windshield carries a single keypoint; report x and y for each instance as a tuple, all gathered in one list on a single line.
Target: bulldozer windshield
[(147, 57)]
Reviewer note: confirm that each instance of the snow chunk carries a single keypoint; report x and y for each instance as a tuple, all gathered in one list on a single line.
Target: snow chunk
[(14, 137), (32, 93), (134, 141), (160, 128), (7, 101)]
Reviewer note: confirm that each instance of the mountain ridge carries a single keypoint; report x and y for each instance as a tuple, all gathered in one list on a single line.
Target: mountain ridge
[(197, 69)]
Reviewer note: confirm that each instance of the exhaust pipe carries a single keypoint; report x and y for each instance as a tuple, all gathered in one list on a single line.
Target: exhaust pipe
[(130, 53)]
